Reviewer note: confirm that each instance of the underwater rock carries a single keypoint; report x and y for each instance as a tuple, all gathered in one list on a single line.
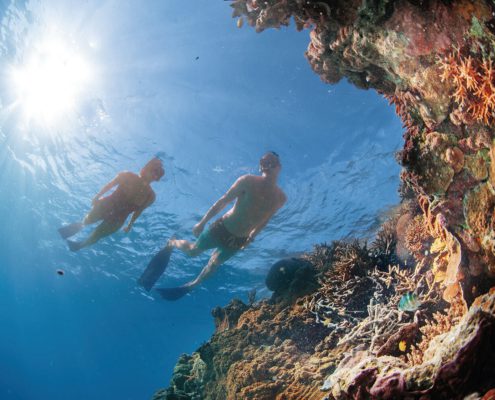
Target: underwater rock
[(291, 278), (227, 317), (187, 380)]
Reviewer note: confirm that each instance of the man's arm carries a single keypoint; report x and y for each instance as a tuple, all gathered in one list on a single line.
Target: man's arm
[(106, 188), (235, 191), (137, 213)]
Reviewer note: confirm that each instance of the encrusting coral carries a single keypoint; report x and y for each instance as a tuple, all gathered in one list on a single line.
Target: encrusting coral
[(334, 330)]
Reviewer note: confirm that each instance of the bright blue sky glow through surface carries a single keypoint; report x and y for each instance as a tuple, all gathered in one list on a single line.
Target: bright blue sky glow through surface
[(176, 79)]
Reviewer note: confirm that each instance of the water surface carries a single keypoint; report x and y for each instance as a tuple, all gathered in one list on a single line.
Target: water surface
[(178, 80)]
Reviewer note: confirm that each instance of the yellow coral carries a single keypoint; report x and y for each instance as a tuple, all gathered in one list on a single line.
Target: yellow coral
[(437, 246)]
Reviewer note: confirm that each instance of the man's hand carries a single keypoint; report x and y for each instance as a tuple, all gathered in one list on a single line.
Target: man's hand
[(127, 228), (198, 228)]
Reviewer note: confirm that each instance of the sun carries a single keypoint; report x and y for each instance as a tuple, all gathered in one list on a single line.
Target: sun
[(49, 83)]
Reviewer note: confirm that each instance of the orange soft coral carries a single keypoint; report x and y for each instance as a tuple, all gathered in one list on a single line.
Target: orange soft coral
[(473, 85)]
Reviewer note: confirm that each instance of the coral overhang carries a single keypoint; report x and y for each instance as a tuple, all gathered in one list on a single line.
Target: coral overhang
[(435, 61)]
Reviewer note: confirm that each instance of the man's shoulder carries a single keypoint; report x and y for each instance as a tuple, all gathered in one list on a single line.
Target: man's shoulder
[(282, 196), (246, 179), (152, 196), (127, 174)]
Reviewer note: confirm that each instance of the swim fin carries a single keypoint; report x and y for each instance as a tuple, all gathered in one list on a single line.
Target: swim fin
[(155, 268), (174, 293), (70, 230), (75, 246)]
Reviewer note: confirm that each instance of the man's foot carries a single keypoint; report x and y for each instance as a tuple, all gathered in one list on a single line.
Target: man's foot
[(70, 230), (75, 246), (170, 243)]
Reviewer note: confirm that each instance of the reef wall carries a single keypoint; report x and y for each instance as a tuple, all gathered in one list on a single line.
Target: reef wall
[(334, 329)]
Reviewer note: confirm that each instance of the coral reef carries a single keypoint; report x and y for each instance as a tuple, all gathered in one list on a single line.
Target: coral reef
[(455, 364), (434, 61), (332, 328)]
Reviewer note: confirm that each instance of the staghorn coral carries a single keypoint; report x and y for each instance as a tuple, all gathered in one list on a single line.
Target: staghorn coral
[(416, 237), (441, 323), (349, 259), (384, 246)]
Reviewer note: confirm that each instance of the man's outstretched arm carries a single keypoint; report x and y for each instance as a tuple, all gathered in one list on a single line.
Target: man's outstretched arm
[(235, 191), (137, 213), (106, 188)]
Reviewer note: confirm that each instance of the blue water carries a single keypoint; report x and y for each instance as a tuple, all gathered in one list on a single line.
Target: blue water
[(180, 80)]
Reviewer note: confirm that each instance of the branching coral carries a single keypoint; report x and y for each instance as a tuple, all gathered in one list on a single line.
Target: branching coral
[(321, 256), (350, 259), (417, 237), (473, 80), (375, 329), (383, 248), (440, 323), (384, 318)]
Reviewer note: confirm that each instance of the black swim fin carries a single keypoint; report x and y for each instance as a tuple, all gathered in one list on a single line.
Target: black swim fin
[(70, 230), (174, 293), (155, 268)]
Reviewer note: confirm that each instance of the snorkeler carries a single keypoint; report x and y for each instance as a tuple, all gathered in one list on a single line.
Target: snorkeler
[(133, 195), (257, 199)]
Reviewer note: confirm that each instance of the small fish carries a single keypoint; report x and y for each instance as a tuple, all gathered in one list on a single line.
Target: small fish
[(60, 272), (409, 302), (240, 22), (402, 345)]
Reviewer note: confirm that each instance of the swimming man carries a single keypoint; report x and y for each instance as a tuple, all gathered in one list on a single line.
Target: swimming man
[(257, 199), (132, 196)]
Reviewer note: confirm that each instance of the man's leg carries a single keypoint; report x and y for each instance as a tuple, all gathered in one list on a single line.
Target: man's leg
[(207, 240), (69, 230), (102, 230), (189, 248), (217, 258)]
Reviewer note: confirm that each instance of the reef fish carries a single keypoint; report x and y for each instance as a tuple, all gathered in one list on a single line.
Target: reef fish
[(60, 272), (240, 22), (402, 345), (409, 302)]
